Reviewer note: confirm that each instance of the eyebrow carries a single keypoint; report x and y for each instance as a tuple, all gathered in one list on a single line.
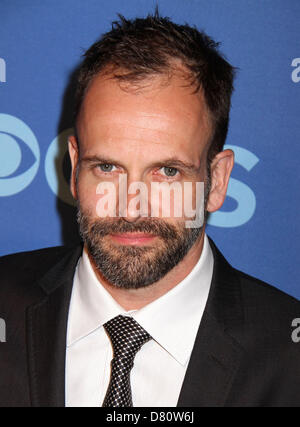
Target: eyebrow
[(174, 162), (98, 159), (170, 162)]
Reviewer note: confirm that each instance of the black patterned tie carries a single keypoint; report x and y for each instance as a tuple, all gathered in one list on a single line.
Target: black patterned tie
[(127, 337)]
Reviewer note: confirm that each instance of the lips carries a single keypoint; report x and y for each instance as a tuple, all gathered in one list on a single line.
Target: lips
[(133, 238)]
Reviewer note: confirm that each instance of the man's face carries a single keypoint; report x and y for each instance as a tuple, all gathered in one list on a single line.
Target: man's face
[(159, 133)]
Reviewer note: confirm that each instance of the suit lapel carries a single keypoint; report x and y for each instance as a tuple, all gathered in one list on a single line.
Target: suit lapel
[(217, 351), (46, 334)]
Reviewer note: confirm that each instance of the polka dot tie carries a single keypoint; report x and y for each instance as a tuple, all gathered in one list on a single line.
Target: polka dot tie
[(127, 337)]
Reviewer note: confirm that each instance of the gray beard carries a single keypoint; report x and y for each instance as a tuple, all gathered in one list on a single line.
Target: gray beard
[(134, 267)]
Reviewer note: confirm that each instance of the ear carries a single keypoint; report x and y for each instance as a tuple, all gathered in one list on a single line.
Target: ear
[(221, 168), (74, 157)]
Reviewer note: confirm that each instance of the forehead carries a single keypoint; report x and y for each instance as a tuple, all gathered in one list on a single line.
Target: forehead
[(160, 113)]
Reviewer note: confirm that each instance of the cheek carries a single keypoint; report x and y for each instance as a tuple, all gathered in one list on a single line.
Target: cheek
[(193, 200), (170, 205), (87, 195), (97, 198)]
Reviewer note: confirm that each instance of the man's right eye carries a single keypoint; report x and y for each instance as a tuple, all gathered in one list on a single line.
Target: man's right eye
[(106, 167)]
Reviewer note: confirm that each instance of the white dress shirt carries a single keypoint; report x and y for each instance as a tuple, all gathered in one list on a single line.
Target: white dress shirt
[(160, 365)]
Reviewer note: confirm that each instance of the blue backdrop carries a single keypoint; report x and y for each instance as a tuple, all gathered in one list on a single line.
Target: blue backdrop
[(40, 46)]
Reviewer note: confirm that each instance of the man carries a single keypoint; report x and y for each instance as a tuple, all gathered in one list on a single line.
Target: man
[(148, 312)]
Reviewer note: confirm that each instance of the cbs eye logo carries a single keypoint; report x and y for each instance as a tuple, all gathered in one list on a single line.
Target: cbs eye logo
[(15, 138), (18, 142)]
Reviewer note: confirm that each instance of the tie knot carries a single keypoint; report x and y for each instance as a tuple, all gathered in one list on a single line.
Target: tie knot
[(126, 335)]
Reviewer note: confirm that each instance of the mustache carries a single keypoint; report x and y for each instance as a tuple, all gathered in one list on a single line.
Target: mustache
[(103, 227)]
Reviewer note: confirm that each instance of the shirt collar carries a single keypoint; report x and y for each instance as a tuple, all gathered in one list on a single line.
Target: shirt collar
[(172, 320)]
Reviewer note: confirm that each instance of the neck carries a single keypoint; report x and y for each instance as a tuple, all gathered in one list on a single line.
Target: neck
[(134, 299)]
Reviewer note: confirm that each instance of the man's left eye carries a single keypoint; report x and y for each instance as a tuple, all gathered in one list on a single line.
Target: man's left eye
[(169, 171), (106, 167)]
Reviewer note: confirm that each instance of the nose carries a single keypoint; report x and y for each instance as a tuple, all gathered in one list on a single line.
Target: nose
[(131, 214), (133, 199)]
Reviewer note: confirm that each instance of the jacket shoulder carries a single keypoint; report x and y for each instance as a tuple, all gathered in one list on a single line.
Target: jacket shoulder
[(20, 271), (34, 254), (269, 319), (257, 293), (37, 261), (260, 309)]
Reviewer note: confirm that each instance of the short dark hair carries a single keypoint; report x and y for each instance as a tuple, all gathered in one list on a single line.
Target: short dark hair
[(135, 49)]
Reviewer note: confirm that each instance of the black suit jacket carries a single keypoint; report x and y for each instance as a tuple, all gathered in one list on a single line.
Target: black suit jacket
[(243, 354)]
